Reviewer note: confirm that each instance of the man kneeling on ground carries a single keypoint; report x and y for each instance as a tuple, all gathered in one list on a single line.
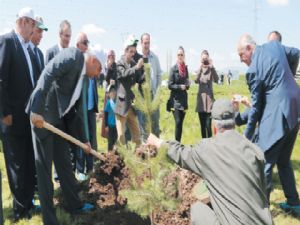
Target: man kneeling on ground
[(233, 170)]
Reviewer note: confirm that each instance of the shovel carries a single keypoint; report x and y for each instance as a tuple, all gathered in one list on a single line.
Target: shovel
[(72, 139)]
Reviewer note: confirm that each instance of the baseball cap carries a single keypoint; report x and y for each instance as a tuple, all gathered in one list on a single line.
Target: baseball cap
[(131, 41), (26, 12), (222, 110), (40, 23)]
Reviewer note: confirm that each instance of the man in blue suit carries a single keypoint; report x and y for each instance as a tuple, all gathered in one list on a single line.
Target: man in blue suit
[(276, 110)]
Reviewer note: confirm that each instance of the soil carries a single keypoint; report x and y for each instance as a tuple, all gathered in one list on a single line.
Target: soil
[(111, 176)]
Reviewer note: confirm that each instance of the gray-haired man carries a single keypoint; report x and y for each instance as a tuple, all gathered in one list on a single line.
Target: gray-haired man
[(233, 170)]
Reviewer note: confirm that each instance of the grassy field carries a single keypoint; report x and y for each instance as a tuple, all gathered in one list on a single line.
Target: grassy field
[(191, 134)]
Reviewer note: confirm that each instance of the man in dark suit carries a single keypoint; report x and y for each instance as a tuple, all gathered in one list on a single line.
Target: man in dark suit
[(293, 54), (276, 110), (37, 57), (84, 162), (58, 100), (127, 71), (18, 81), (65, 33)]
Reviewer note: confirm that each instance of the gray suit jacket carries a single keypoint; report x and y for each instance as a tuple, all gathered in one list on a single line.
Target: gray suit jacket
[(50, 53), (126, 76), (55, 89), (233, 173)]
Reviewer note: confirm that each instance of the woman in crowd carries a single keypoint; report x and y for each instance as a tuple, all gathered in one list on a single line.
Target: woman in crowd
[(179, 84), (205, 98)]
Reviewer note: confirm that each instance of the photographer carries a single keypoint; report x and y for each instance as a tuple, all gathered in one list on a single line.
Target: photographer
[(205, 97)]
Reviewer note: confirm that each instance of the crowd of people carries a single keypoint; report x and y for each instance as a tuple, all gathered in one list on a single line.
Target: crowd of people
[(62, 90)]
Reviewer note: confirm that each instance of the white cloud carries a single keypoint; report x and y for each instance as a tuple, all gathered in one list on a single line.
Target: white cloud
[(93, 30), (278, 2)]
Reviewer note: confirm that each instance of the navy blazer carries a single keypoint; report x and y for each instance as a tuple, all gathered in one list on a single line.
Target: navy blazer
[(50, 53), (16, 82), (54, 91), (274, 93)]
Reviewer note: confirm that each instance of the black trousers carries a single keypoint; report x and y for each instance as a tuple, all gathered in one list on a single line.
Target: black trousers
[(84, 162), (280, 154), (179, 117), (205, 122), (20, 166), (53, 148), (112, 137)]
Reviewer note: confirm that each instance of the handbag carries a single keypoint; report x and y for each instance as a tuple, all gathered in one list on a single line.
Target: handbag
[(170, 104)]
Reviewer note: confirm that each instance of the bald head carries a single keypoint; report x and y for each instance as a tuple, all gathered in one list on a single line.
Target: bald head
[(82, 42), (245, 48), (275, 35), (93, 64)]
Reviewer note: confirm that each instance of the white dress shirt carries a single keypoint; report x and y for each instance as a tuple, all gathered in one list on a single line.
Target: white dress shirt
[(77, 90), (26, 53)]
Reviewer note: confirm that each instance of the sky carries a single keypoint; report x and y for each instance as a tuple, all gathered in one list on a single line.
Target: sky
[(214, 25)]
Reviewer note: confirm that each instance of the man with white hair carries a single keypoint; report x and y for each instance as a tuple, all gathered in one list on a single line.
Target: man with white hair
[(58, 100), (18, 81), (276, 110), (232, 168)]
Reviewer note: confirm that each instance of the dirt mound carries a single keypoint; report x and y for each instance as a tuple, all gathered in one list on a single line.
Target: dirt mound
[(111, 176)]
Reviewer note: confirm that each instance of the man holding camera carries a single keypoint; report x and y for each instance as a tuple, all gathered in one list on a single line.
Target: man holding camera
[(127, 72)]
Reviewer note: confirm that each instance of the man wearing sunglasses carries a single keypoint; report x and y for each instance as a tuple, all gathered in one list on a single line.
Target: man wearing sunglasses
[(84, 162)]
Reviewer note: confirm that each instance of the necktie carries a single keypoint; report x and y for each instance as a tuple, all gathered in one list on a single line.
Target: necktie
[(38, 58), (33, 63)]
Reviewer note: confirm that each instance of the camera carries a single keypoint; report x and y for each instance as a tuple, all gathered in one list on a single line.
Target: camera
[(205, 62), (146, 60)]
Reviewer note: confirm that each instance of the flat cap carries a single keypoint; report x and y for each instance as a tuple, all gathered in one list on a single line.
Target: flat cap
[(222, 110)]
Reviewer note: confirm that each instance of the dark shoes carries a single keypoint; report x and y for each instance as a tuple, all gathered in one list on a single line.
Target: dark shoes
[(293, 209)]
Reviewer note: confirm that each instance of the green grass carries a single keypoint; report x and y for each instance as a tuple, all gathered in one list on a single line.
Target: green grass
[(191, 134)]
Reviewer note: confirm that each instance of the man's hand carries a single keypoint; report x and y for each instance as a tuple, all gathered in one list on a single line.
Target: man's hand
[(88, 149), (106, 129), (154, 141), (8, 120), (37, 120), (112, 82), (139, 64), (183, 87)]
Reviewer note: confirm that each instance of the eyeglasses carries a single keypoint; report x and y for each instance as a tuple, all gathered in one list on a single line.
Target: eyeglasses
[(85, 42), (179, 54)]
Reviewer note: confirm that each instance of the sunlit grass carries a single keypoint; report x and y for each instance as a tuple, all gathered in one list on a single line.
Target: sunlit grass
[(191, 134)]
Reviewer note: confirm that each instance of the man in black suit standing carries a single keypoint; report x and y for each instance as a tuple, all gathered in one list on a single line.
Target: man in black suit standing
[(65, 33), (18, 81), (84, 162), (58, 100), (36, 53)]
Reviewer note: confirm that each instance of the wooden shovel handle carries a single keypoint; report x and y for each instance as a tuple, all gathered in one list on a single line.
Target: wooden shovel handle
[(71, 139)]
